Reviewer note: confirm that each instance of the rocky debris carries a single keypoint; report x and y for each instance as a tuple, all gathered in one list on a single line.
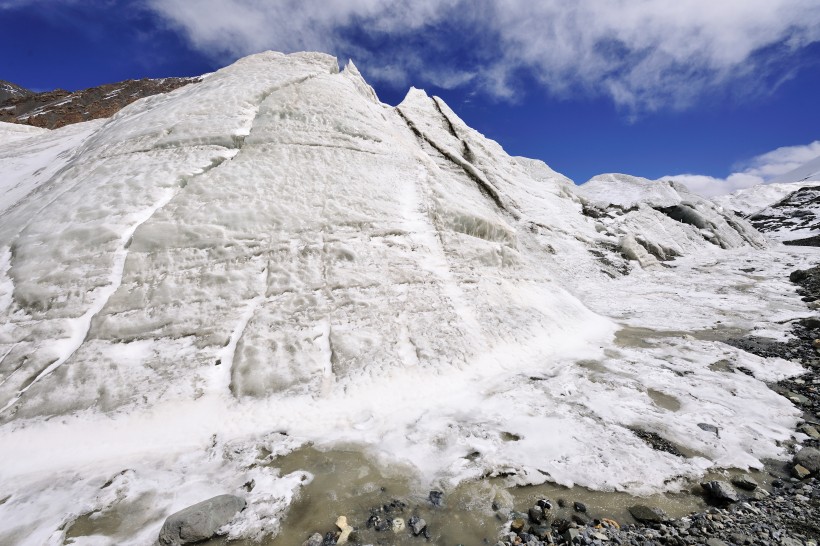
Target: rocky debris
[(719, 492), (436, 497), (656, 441), (790, 516), (200, 521), (54, 109)]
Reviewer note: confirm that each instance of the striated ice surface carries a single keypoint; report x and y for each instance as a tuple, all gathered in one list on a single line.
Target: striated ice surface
[(660, 220), (216, 276)]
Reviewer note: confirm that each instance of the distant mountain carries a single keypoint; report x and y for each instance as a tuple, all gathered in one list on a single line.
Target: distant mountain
[(9, 90), (787, 209), (53, 109)]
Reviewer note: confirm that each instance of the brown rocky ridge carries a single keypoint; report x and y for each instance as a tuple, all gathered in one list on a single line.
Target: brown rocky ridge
[(53, 109)]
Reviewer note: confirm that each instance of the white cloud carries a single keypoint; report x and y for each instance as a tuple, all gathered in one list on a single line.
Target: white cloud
[(644, 54), (782, 160), (760, 169)]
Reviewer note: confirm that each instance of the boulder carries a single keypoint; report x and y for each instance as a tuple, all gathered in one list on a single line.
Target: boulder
[(646, 514), (809, 458), (200, 521), (719, 491), (744, 481)]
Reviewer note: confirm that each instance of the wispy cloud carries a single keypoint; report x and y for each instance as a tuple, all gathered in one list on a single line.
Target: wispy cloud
[(644, 54), (757, 170)]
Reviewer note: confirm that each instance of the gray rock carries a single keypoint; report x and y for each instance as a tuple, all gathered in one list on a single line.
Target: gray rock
[(744, 481), (719, 491), (646, 514), (314, 540), (809, 458), (536, 514), (810, 431), (801, 471), (572, 536), (200, 521), (417, 525), (517, 525)]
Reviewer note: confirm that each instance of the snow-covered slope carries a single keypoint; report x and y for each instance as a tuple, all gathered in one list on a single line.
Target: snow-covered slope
[(661, 220), (273, 257)]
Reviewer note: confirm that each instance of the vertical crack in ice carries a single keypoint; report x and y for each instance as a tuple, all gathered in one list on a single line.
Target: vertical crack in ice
[(222, 380), (472, 173), (421, 221), (3, 358)]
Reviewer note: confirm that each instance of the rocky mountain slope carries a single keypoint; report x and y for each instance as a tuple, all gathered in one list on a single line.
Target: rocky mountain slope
[(212, 278), (53, 109)]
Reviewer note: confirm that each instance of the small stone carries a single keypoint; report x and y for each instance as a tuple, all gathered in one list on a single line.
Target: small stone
[(536, 514), (397, 525), (572, 536), (797, 398), (516, 526), (599, 536), (579, 507), (541, 531), (744, 481), (646, 514), (200, 521), (382, 525), (811, 432), (344, 528), (417, 525), (314, 540), (436, 497), (801, 471), (719, 491), (580, 518), (709, 428)]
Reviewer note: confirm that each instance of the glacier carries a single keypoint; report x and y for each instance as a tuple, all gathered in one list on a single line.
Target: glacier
[(273, 258)]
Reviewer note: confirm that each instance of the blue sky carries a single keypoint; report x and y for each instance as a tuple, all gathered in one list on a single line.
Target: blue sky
[(645, 87)]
